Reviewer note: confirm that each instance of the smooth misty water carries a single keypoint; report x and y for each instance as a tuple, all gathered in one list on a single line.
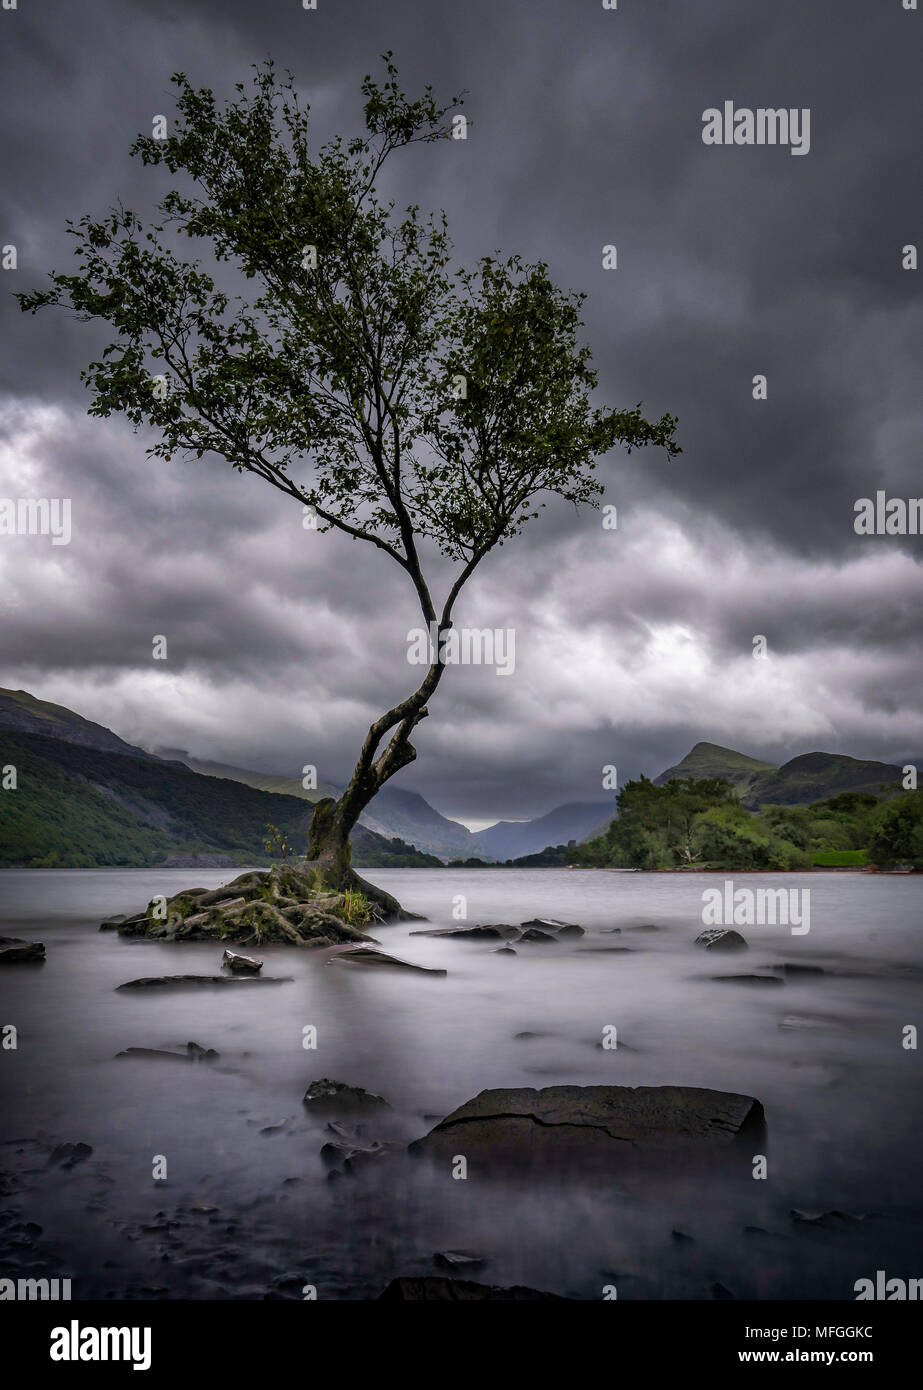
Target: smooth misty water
[(842, 1096)]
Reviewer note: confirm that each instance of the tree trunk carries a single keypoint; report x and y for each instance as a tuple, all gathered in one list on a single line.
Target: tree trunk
[(329, 854), (330, 858)]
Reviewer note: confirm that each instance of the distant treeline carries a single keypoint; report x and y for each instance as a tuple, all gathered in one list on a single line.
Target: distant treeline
[(690, 823)]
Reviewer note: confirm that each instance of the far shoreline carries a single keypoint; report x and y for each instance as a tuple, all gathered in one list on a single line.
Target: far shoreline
[(457, 868)]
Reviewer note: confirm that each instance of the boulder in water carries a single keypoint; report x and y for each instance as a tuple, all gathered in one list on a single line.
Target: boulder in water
[(16, 952), (721, 939), (243, 965), (326, 1096), (562, 1125), (363, 955)]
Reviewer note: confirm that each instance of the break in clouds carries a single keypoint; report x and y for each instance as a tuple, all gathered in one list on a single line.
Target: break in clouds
[(734, 261)]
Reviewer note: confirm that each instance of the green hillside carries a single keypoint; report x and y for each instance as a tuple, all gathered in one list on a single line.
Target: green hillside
[(711, 760), (263, 781), (79, 807), (809, 777), (702, 824), (819, 776)]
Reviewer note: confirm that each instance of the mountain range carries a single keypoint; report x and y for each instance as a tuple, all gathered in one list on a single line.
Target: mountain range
[(806, 778), (510, 839), (84, 796)]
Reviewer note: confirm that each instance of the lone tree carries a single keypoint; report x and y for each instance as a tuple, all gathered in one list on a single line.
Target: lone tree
[(404, 401)]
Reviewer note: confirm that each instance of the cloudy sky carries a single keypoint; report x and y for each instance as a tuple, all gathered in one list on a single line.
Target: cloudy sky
[(732, 261)]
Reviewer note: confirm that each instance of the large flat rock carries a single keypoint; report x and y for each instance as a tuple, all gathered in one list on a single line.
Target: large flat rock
[(560, 1124)]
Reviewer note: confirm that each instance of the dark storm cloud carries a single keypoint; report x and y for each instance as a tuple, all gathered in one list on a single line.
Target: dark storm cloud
[(586, 130)]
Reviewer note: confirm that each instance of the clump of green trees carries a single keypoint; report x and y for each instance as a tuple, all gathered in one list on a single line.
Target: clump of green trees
[(701, 824)]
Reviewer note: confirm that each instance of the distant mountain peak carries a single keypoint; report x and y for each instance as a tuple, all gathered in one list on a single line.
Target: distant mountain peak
[(513, 839), (712, 760), (704, 747)]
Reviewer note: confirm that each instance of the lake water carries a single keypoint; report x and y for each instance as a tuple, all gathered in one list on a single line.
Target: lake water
[(823, 1053)]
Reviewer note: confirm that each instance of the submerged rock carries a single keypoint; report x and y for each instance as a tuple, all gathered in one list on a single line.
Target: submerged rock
[(193, 1053), (491, 931), (16, 952), (179, 981), (67, 1155), (553, 925), (459, 1259), (562, 1124), (748, 979), (537, 935), (355, 1154), (436, 1288), (824, 1220), (721, 939), (807, 1022), (140, 1053), (540, 927), (325, 1095), (362, 955)]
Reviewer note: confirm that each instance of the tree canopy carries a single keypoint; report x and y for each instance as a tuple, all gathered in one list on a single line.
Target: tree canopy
[(397, 397), (404, 400)]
